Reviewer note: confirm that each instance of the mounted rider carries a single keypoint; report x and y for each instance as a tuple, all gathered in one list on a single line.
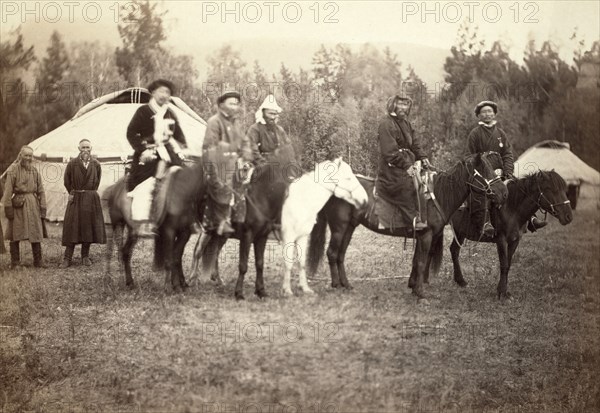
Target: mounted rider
[(488, 136), (224, 145), (158, 141), (400, 159)]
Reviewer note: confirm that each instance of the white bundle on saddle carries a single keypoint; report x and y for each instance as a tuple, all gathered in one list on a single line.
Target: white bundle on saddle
[(141, 204), (162, 131)]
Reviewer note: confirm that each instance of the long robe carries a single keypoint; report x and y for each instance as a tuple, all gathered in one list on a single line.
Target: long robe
[(140, 133), (83, 218), (399, 148), (265, 139), (223, 144), (483, 139), (27, 223)]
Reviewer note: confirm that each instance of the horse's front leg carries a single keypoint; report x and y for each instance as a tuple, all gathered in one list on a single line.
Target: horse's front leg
[(342, 257), (289, 253), (183, 237), (259, 258), (333, 253), (168, 243), (455, 253), (126, 251), (502, 247), (420, 261), (159, 259), (196, 257), (512, 247), (302, 280), (245, 243)]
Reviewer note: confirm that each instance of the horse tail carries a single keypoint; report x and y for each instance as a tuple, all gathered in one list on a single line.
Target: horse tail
[(316, 244), (436, 253)]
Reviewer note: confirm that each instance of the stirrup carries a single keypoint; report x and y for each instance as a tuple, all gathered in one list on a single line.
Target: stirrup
[(488, 229)]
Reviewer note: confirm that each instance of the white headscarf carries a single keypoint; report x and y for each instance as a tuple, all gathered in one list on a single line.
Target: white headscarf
[(268, 103)]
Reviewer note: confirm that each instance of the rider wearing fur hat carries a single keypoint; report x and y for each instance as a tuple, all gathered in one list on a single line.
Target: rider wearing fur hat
[(400, 153)]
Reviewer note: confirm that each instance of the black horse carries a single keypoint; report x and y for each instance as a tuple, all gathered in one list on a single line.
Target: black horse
[(545, 190), (184, 200), (476, 173), (264, 198)]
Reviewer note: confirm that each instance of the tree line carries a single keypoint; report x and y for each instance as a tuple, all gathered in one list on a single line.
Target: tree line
[(333, 107)]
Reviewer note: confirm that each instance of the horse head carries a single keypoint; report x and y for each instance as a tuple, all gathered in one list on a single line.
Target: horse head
[(338, 177), (552, 196), (485, 178)]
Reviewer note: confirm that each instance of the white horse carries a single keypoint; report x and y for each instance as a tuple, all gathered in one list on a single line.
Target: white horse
[(306, 197)]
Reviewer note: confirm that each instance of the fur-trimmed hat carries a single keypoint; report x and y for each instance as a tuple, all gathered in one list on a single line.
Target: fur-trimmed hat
[(391, 102), (484, 103), (159, 83), (228, 94)]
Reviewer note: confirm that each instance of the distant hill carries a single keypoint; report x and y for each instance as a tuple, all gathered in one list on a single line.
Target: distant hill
[(428, 62), (270, 52)]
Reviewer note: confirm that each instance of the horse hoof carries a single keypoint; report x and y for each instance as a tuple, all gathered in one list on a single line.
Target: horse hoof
[(130, 286), (411, 283), (461, 283), (239, 296), (349, 287), (261, 294), (307, 290), (504, 295), (419, 293), (423, 301), (336, 285), (287, 293)]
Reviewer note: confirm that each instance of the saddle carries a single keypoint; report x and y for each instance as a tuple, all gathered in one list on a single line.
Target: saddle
[(385, 215), (149, 199), (161, 191)]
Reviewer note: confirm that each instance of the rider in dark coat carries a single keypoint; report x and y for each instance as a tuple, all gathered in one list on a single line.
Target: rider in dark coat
[(399, 151), (224, 143), (488, 136), (141, 134), (155, 135)]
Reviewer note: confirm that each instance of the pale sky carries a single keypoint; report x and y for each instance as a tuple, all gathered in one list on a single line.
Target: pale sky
[(193, 25)]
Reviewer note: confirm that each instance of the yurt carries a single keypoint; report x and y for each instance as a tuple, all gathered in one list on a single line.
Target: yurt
[(583, 180), (104, 122)]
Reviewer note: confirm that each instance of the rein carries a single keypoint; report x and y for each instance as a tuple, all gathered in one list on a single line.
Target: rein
[(541, 196), (485, 188)]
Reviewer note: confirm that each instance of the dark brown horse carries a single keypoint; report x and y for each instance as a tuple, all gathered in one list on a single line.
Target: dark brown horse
[(542, 190), (265, 194), (451, 188), (184, 200)]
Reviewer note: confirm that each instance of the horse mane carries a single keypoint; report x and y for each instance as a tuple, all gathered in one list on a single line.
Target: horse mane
[(531, 185), (445, 185)]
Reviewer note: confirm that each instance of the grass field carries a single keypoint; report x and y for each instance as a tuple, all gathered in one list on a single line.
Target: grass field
[(74, 341)]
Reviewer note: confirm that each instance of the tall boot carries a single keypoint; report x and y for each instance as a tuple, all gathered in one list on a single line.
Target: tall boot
[(36, 249), (15, 255), (223, 213), (85, 254), (420, 221), (68, 257), (221, 200)]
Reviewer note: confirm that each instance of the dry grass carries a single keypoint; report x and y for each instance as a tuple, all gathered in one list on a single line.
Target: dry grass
[(73, 341)]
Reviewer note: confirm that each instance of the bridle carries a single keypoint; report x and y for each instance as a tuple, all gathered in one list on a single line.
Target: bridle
[(549, 209), (486, 184)]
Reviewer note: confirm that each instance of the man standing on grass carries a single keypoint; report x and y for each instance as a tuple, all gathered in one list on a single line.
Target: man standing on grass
[(84, 223), (24, 203)]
